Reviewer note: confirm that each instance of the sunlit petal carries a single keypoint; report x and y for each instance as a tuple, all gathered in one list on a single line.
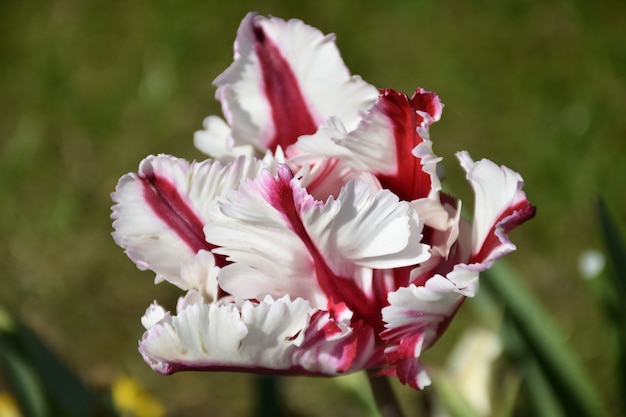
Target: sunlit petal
[(216, 141), (259, 336), (415, 319), (373, 230), (155, 220), (500, 205), (201, 274), (256, 228), (160, 211), (286, 80)]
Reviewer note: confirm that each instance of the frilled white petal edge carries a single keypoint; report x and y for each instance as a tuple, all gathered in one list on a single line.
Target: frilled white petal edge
[(373, 230), (201, 275), (142, 217), (204, 336), (283, 241), (415, 318), (326, 177), (215, 140), (430, 163), (373, 142), (444, 218), (322, 165), (500, 205), (271, 53), (323, 76), (160, 212), (392, 131), (253, 231), (274, 336), (447, 243), (310, 149)]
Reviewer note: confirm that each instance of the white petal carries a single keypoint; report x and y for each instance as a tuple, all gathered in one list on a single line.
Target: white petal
[(413, 321), (159, 213), (500, 205), (326, 177), (375, 231), (200, 335), (268, 255), (322, 165), (154, 314), (437, 215), (145, 226), (322, 74), (422, 307), (312, 59), (190, 298), (201, 274), (212, 179), (430, 165), (373, 142), (261, 337), (273, 326), (465, 278), (322, 144), (215, 140)]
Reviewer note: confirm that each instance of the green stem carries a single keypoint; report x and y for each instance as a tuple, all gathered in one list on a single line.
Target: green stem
[(383, 395)]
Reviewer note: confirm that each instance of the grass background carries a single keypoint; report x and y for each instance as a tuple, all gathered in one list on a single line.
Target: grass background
[(88, 88)]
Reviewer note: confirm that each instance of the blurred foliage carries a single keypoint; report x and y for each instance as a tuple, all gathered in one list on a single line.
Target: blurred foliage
[(88, 88), (552, 373), (41, 383), (613, 290)]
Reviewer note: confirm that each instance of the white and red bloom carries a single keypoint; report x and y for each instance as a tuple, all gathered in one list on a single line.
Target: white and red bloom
[(316, 239)]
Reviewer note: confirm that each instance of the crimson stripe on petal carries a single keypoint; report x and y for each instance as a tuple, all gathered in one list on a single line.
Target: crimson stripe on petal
[(409, 181), (164, 199), (290, 112), (338, 289), (511, 218)]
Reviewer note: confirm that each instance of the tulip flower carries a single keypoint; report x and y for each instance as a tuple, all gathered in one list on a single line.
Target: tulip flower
[(315, 239)]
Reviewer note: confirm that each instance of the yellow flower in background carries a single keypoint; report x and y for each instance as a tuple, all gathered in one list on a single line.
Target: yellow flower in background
[(8, 406), (131, 400)]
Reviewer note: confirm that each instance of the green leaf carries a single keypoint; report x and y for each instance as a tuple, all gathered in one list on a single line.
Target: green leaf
[(613, 288), (507, 394), (44, 375), (64, 388), (617, 250), (577, 396), (357, 387), (22, 380), (539, 391)]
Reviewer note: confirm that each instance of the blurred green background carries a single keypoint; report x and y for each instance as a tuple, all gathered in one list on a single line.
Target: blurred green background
[(88, 88)]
